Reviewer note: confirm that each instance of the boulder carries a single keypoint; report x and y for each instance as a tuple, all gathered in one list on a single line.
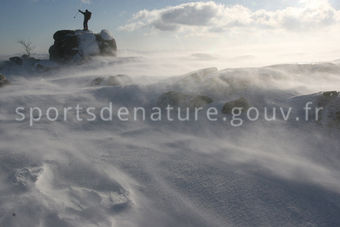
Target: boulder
[(325, 107), (327, 97), (3, 80), (97, 81), (106, 43), (238, 103), (116, 80), (330, 102), (70, 46), (177, 99), (200, 101)]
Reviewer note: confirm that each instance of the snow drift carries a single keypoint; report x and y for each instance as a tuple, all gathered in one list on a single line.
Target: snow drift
[(195, 173)]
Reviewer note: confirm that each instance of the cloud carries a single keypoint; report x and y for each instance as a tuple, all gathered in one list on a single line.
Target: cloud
[(86, 1), (213, 17)]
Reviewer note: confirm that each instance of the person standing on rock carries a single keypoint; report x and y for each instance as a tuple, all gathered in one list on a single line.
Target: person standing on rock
[(87, 16)]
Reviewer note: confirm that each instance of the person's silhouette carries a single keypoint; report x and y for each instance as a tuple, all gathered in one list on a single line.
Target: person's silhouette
[(87, 16)]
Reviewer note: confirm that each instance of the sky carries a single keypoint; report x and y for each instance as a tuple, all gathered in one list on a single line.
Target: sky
[(165, 24)]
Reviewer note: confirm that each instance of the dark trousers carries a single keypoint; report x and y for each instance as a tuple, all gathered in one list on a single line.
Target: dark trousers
[(86, 28)]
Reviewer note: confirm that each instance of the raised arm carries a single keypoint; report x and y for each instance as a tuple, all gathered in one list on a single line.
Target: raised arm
[(81, 11)]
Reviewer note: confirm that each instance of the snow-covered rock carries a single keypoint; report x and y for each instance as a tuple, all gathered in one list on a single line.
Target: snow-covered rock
[(106, 35), (76, 45), (16, 60), (241, 103), (45, 65), (27, 65), (87, 43), (327, 102), (178, 99), (116, 80), (106, 43), (26, 176), (330, 102)]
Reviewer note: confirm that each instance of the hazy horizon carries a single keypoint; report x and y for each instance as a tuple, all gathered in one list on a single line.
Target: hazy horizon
[(291, 27)]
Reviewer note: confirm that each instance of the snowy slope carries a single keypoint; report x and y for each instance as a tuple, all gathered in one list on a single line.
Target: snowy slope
[(169, 173)]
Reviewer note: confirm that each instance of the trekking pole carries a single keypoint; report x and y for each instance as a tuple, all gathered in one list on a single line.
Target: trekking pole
[(76, 15)]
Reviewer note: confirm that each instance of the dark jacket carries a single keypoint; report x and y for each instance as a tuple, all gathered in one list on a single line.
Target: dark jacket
[(87, 14)]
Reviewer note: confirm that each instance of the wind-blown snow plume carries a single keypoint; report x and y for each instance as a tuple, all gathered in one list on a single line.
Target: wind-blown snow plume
[(143, 173)]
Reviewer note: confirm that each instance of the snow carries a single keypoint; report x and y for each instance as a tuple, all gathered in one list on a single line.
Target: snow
[(106, 35), (79, 173), (88, 45)]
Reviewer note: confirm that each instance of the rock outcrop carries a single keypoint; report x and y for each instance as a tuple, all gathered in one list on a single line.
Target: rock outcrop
[(16, 60), (238, 103), (26, 63), (324, 107), (116, 80), (177, 99), (327, 97), (72, 46), (106, 43), (65, 46), (330, 102)]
